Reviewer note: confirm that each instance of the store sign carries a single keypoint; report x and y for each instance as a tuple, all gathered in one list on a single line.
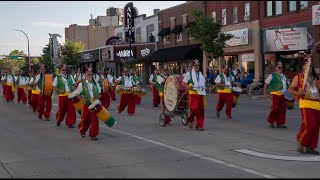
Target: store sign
[(130, 13), (247, 57), (145, 52), (87, 56), (125, 53), (240, 37), (316, 15), (290, 39)]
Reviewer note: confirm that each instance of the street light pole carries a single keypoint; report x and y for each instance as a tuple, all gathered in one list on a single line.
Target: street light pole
[(29, 65)]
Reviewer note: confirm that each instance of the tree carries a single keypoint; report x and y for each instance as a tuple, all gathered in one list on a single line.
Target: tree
[(208, 33), (71, 53), (17, 53), (46, 59)]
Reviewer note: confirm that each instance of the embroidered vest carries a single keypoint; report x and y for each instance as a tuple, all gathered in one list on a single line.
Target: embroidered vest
[(70, 83), (85, 93), (40, 84), (160, 86), (223, 81), (276, 82), (60, 84)]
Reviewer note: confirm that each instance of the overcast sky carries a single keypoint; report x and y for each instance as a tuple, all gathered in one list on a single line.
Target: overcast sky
[(39, 18)]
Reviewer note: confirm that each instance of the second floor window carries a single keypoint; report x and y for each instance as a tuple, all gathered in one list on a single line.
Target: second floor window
[(269, 8), (214, 17), (235, 14), (278, 7), (224, 17), (303, 4), (247, 9), (292, 6)]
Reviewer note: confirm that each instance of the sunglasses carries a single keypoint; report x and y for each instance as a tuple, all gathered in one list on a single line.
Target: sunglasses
[(63, 70), (281, 67)]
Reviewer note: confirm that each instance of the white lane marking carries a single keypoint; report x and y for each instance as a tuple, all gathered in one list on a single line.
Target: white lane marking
[(271, 156), (191, 153)]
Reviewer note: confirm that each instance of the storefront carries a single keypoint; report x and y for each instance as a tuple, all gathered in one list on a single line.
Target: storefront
[(287, 45), (90, 58), (106, 59), (175, 58), (133, 59)]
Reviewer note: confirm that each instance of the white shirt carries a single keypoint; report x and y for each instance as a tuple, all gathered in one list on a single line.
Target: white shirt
[(110, 79), (226, 82), (96, 78), (23, 80), (31, 80), (64, 79), (2, 77), (151, 78), (283, 79), (80, 77), (36, 81), (9, 79), (90, 88), (128, 82)]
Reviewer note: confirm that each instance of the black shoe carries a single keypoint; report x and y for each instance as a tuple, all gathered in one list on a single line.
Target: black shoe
[(229, 117), (272, 125), (7, 100), (71, 126), (312, 151), (58, 123), (47, 119), (155, 105), (83, 135), (200, 129), (217, 114), (281, 126), (190, 125), (94, 138), (301, 149)]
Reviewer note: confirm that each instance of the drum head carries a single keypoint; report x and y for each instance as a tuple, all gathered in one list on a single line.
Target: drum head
[(72, 95), (94, 104), (171, 93), (237, 89), (288, 96)]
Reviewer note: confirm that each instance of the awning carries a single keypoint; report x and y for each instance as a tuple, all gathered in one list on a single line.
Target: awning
[(176, 53), (164, 32), (189, 25), (177, 29)]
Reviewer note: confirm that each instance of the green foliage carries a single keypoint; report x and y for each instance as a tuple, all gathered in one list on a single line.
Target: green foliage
[(208, 33), (71, 53), (17, 53), (46, 59)]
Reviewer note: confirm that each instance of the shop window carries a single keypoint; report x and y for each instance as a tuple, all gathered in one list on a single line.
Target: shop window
[(214, 17), (166, 38), (235, 14), (303, 4), (190, 36), (179, 36), (292, 6), (278, 7), (247, 9)]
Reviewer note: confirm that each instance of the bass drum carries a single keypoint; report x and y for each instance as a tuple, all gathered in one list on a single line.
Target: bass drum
[(173, 92), (47, 85)]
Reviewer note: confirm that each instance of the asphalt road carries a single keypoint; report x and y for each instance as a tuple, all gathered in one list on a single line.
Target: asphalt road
[(138, 147)]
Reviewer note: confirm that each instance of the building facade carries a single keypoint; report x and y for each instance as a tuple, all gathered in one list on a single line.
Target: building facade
[(91, 36)]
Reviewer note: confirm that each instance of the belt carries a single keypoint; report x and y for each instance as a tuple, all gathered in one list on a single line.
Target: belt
[(225, 90), (64, 94), (309, 104), (35, 91), (277, 93)]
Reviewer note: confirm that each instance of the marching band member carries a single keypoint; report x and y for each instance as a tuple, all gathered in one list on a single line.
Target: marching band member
[(88, 91), (224, 83), (45, 102), (137, 79), (35, 93), (71, 82), (111, 82), (309, 107), (3, 75), (9, 82), (277, 83), (126, 98), (195, 81), (160, 85), (78, 77), (105, 89), (155, 92), (65, 106), (21, 82)]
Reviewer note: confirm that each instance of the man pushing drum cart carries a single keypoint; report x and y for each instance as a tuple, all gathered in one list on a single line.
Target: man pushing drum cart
[(195, 82)]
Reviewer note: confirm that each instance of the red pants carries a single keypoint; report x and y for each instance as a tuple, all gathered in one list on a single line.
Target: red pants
[(88, 118), (196, 109), (65, 106), (44, 102), (137, 99), (309, 130), (105, 99), (29, 95), (127, 99), (225, 98), (155, 96), (168, 119), (8, 93), (113, 93), (21, 95), (278, 110), (35, 101)]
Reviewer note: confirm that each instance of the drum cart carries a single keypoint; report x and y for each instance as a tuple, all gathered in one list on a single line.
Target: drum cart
[(181, 109)]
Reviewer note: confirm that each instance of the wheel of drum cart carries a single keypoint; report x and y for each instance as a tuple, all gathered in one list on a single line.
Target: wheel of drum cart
[(184, 118), (162, 120)]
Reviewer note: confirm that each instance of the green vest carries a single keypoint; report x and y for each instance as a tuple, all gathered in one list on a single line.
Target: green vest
[(160, 86), (223, 81), (85, 93), (70, 82), (60, 84), (121, 81), (276, 82), (6, 78), (40, 85)]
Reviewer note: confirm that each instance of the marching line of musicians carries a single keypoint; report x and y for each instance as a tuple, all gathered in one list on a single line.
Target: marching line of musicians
[(88, 89)]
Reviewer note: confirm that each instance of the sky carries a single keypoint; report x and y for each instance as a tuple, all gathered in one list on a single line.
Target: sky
[(39, 18)]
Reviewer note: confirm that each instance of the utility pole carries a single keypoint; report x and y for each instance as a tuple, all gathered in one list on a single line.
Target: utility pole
[(28, 63)]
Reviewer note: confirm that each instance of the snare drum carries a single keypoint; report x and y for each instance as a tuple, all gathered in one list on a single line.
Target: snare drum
[(143, 92), (128, 90), (119, 89), (289, 100), (236, 91), (47, 85), (102, 113), (76, 102), (136, 91)]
